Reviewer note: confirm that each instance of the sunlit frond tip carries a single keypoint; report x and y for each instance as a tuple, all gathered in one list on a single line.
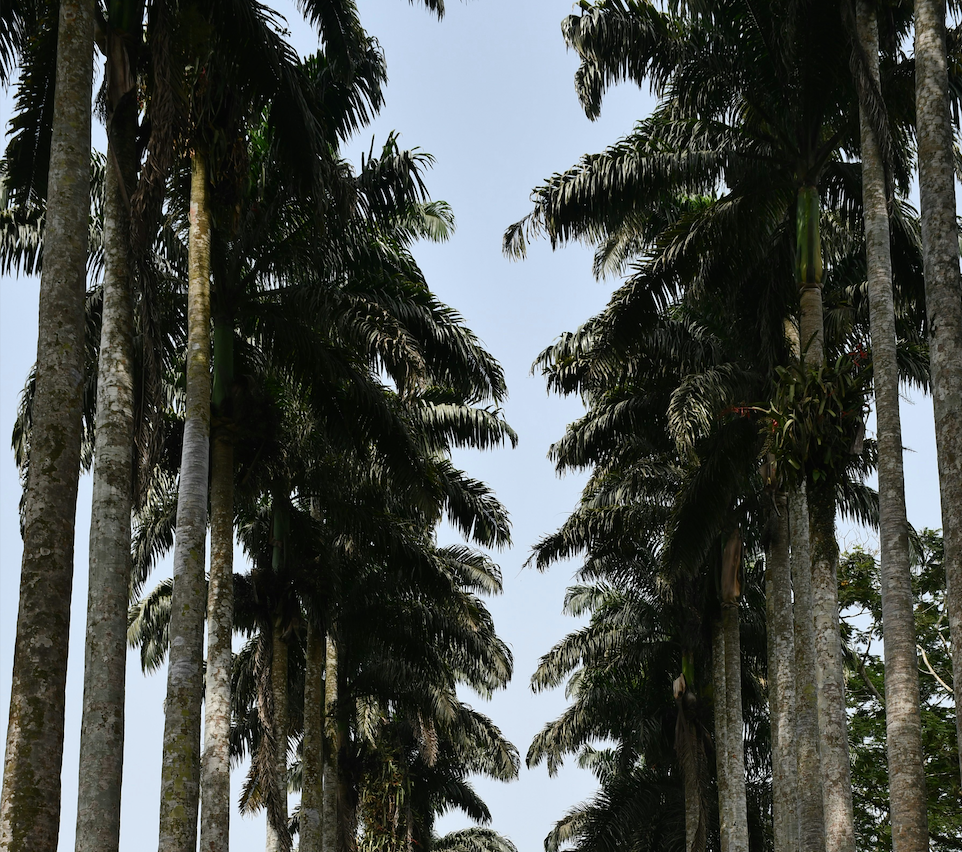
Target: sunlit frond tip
[(517, 236)]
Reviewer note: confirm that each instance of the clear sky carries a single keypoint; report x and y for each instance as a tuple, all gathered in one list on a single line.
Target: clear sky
[(489, 92)]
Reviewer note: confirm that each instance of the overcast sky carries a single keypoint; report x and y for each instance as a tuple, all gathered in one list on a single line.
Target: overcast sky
[(489, 92)]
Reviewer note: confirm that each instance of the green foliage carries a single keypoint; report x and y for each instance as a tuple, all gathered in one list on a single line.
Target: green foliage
[(816, 417), (861, 614)]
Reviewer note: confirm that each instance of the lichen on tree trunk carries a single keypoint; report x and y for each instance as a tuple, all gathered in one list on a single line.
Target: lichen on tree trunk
[(943, 298), (781, 678), (30, 799), (180, 779), (105, 658), (836, 773), (903, 721), (215, 761)]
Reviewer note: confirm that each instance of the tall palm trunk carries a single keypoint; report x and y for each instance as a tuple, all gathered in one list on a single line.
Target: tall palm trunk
[(30, 800), (105, 658), (340, 803), (215, 762), (278, 836), (329, 809), (722, 769), (735, 738), (903, 721), (727, 663), (312, 746), (836, 779), (810, 816), (180, 779), (943, 299), (691, 754), (781, 679), (833, 742)]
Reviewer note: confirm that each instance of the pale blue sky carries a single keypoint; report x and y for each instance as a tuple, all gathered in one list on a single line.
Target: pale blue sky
[(488, 91)]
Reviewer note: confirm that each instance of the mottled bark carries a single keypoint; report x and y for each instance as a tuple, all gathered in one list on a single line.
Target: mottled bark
[(735, 736), (694, 831), (810, 819), (278, 836), (312, 747), (102, 722), (833, 744), (329, 809), (720, 689), (30, 799), (180, 779), (943, 299), (340, 812), (781, 679), (690, 753), (903, 721), (836, 773), (215, 762)]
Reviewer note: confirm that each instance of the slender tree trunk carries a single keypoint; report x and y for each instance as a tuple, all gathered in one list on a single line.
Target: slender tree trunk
[(722, 767), (215, 762), (943, 299), (340, 805), (833, 742), (781, 680), (314, 752), (811, 819), (30, 799), (329, 809), (735, 735), (691, 754), (694, 833), (836, 780), (278, 836), (180, 779), (105, 658), (903, 721), (312, 746)]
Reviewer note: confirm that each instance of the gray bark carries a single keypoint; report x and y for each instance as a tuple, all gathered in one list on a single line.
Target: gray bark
[(279, 839), (735, 734), (340, 810), (720, 689), (836, 777), (694, 833), (330, 817), (312, 747), (810, 819), (903, 722), (781, 680), (30, 798), (180, 778), (943, 299), (215, 762), (102, 723), (833, 744)]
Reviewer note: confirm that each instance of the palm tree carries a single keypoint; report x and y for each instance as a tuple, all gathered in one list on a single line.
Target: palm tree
[(30, 801), (651, 385), (102, 722), (903, 715), (265, 58), (940, 245), (718, 122)]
